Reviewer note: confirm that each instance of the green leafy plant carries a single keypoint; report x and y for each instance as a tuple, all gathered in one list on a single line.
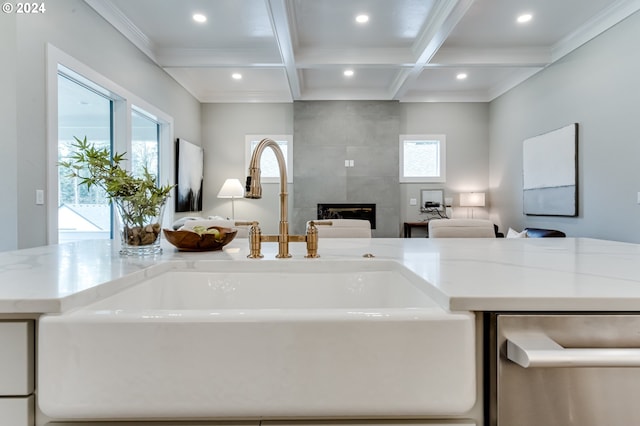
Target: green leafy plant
[(139, 199)]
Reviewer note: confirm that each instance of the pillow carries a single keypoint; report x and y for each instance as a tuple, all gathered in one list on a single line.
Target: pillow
[(180, 222), (515, 234)]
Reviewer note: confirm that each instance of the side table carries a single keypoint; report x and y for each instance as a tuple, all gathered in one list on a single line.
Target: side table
[(409, 225)]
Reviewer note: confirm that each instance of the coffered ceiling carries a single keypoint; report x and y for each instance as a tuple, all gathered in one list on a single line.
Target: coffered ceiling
[(409, 50)]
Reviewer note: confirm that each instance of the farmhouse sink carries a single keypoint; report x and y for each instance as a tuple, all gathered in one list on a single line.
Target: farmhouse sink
[(268, 339)]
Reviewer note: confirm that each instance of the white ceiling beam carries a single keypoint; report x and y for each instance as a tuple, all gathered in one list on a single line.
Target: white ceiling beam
[(441, 22), (310, 58), (280, 22), (470, 57), (218, 58)]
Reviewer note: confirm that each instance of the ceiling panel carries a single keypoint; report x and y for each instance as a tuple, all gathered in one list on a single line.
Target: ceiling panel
[(492, 23), (334, 78), (331, 23), (230, 24), (445, 79), (217, 84), (409, 50)]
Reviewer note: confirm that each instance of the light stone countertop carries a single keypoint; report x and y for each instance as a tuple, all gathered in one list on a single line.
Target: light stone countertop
[(546, 274)]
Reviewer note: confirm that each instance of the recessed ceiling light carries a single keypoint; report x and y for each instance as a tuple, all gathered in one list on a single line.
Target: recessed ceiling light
[(236, 76), (362, 19), (525, 17), (461, 76), (199, 17), (348, 73)]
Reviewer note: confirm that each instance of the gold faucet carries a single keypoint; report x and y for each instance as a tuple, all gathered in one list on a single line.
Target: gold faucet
[(254, 190)]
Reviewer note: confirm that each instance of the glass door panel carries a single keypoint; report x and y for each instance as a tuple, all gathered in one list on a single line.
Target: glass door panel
[(82, 213)]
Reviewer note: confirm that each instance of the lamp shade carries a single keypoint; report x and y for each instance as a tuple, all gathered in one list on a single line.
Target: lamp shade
[(232, 188), (472, 199)]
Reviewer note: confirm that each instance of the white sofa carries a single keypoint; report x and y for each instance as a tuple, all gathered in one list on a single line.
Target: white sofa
[(461, 228), (345, 228)]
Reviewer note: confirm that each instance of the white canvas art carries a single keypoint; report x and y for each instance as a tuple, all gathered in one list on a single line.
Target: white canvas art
[(190, 165), (550, 173)]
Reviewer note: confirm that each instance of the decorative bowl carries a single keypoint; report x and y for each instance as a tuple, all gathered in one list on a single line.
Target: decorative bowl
[(186, 240)]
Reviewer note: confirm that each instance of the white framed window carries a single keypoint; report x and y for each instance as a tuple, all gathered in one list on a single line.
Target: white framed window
[(81, 102), (269, 170), (145, 142), (422, 158)]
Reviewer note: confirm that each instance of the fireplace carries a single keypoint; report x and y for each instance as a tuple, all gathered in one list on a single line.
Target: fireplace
[(348, 211)]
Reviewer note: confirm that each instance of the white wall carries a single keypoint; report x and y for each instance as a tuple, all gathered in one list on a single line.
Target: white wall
[(596, 86), (466, 126), (9, 142), (224, 127), (77, 30)]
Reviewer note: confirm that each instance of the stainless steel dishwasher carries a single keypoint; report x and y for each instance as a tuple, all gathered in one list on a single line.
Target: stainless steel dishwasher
[(564, 369)]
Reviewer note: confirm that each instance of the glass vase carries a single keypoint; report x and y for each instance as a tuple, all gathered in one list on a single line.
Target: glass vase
[(140, 228)]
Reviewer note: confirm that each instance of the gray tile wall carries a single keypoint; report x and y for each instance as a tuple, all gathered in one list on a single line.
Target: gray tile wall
[(326, 133)]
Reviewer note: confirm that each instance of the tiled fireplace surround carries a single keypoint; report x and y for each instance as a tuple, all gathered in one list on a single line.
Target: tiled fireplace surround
[(327, 134)]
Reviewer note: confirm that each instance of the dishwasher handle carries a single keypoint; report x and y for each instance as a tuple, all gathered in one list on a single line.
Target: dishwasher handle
[(539, 350)]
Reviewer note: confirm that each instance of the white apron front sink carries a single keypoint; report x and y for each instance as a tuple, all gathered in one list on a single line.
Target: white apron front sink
[(268, 339)]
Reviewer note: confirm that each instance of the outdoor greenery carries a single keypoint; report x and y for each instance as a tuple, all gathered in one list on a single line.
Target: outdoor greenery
[(96, 167)]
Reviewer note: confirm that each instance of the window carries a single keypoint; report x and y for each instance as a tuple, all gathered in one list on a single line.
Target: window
[(145, 143), (85, 111), (82, 112), (269, 170), (81, 102), (422, 158)]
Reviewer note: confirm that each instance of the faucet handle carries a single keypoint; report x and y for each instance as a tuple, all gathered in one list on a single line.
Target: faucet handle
[(313, 223), (255, 239), (246, 223), (312, 237)]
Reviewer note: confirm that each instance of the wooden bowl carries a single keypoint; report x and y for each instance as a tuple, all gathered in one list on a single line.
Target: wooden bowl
[(192, 241)]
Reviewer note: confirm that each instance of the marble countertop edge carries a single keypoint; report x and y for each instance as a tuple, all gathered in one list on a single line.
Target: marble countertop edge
[(571, 274)]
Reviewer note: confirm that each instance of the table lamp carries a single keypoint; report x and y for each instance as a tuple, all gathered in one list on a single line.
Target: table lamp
[(472, 199), (232, 188)]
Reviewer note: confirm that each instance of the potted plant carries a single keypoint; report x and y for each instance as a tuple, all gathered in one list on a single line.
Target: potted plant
[(139, 201)]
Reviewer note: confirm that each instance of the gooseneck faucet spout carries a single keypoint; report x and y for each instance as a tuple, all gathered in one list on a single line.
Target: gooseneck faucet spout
[(254, 190)]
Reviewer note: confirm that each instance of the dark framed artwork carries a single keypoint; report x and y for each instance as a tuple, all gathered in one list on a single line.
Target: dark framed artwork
[(432, 199), (550, 173), (189, 175)]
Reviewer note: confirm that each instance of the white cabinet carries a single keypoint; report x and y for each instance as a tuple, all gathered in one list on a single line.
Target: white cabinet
[(17, 411), (16, 373)]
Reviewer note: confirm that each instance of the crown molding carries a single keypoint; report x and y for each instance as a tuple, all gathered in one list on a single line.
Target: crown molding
[(594, 27), (445, 96), (245, 97), (509, 83), (119, 21)]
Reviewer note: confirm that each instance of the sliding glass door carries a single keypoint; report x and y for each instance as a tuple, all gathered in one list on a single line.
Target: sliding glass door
[(85, 111), (82, 112)]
